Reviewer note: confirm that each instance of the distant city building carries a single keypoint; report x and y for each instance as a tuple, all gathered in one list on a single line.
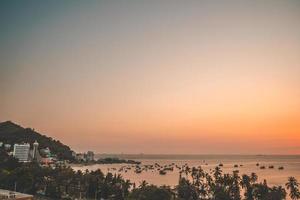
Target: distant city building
[(7, 146), (89, 156), (21, 152), (74, 154), (86, 157), (80, 157)]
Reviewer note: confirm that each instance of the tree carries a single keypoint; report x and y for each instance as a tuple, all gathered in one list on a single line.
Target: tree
[(261, 191), (292, 185), (186, 190), (151, 192), (235, 186), (277, 193), (246, 184)]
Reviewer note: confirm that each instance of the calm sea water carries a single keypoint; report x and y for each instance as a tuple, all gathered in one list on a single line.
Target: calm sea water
[(274, 176)]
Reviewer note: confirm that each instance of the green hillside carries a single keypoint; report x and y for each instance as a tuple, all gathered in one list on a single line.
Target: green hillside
[(11, 133)]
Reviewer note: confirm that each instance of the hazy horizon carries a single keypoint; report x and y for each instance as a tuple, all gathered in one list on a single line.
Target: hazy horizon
[(171, 77)]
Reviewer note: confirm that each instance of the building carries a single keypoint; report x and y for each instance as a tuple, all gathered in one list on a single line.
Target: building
[(6, 194), (85, 157), (7, 146), (35, 153), (80, 157), (35, 150), (46, 152), (21, 152), (90, 156), (73, 154), (47, 161)]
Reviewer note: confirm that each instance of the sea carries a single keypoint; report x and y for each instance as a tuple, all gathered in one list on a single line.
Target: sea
[(246, 165)]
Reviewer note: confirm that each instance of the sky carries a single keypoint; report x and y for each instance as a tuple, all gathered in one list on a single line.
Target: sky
[(157, 77)]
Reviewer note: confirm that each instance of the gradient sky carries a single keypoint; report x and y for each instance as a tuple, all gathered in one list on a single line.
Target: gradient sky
[(154, 76)]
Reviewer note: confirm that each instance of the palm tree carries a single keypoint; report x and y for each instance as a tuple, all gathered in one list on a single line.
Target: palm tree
[(126, 185), (235, 186), (143, 184), (186, 190), (194, 174), (260, 191), (217, 173), (187, 171), (277, 193), (292, 185), (209, 185), (253, 177), (246, 184)]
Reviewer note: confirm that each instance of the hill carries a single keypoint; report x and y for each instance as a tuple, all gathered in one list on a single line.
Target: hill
[(11, 133)]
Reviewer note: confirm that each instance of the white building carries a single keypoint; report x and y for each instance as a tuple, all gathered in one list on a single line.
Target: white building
[(7, 146), (21, 152), (35, 151)]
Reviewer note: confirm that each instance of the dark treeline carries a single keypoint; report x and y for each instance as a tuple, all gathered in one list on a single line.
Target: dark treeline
[(194, 184), (107, 161), (115, 160)]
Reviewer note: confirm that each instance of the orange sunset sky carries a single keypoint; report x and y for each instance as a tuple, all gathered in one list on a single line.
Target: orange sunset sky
[(171, 77)]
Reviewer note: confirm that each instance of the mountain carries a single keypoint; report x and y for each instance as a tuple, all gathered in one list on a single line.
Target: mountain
[(11, 133)]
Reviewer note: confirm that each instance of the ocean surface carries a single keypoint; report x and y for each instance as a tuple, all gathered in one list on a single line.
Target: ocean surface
[(291, 165)]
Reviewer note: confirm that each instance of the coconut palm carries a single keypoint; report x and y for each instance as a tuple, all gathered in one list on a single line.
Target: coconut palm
[(277, 193), (235, 186), (253, 177), (292, 185), (217, 172), (126, 185), (246, 184), (260, 191), (143, 184)]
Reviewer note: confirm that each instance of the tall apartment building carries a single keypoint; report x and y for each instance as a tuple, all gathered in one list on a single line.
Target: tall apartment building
[(89, 156), (35, 151), (21, 152)]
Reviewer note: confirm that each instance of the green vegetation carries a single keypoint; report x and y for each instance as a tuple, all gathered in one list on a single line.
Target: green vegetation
[(116, 160), (61, 182), (106, 161), (147, 192), (11, 133), (293, 185), (64, 183)]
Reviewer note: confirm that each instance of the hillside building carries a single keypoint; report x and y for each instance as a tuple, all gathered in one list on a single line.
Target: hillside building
[(21, 152), (7, 147)]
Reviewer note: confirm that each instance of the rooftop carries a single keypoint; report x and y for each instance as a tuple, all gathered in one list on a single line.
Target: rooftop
[(7, 194)]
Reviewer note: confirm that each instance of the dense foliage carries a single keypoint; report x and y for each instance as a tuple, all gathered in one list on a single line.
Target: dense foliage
[(11, 133), (115, 160), (62, 182), (194, 184), (147, 192)]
